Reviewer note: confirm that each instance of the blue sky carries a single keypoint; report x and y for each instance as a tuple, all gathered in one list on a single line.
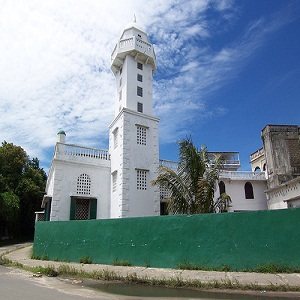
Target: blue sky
[(225, 70)]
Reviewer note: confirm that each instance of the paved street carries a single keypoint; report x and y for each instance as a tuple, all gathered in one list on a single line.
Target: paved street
[(17, 284), (20, 285)]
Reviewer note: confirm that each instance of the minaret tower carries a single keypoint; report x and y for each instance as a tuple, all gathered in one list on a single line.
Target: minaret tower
[(133, 134)]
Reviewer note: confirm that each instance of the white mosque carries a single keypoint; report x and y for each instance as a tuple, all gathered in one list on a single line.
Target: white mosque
[(88, 183)]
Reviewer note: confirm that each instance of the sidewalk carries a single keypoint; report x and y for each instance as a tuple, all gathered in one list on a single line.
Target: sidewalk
[(236, 278)]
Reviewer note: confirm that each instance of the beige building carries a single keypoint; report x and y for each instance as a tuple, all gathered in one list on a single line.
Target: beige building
[(280, 157)]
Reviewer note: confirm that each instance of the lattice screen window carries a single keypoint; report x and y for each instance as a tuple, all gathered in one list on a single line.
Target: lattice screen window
[(139, 91), (140, 66), (141, 179), (84, 185), (114, 181), (140, 77), (140, 107), (164, 192), (141, 135), (82, 209)]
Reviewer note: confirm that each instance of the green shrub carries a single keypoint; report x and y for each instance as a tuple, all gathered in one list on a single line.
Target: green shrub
[(85, 260)]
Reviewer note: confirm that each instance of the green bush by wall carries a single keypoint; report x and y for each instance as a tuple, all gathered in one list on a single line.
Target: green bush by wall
[(236, 240)]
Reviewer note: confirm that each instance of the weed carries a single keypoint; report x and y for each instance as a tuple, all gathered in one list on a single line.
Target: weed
[(48, 271), (147, 265), (67, 270), (37, 257), (124, 263), (85, 260), (188, 266), (273, 268)]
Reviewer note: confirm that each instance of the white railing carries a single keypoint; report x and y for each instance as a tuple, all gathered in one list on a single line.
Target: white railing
[(136, 43), (257, 153), (126, 42), (231, 162), (69, 150), (169, 164), (243, 175)]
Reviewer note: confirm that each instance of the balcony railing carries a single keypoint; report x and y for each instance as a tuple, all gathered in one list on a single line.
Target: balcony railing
[(257, 154), (136, 43), (248, 175), (68, 151), (169, 164)]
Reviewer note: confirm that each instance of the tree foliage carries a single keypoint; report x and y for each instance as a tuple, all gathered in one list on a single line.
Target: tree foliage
[(223, 203), (22, 184), (192, 186)]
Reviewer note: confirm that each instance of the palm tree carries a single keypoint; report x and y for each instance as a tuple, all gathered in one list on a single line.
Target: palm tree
[(223, 203), (191, 187)]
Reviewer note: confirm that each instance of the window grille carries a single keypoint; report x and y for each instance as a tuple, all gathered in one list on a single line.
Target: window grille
[(164, 192), (139, 91), (140, 107), (141, 135), (141, 179), (82, 209), (140, 77), (140, 66), (83, 185)]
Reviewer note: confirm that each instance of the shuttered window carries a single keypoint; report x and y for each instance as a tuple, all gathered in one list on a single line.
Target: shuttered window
[(83, 208)]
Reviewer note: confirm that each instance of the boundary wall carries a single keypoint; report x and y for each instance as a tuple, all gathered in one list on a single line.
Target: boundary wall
[(238, 241)]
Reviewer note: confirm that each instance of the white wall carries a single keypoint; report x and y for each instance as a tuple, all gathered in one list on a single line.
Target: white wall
[(235, 189), (285, 195), (128, 201), (65, 183), (129, 86)]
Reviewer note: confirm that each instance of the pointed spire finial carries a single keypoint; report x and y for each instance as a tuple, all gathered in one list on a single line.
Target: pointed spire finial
[(134, 18)]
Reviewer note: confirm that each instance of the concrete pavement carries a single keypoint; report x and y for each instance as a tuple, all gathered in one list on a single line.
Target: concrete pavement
[(290, 281)]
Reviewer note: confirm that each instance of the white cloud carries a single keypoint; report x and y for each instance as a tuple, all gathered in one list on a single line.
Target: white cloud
[(55, 66)]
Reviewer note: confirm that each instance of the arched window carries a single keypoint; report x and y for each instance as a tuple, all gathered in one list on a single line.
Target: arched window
[(249, 191), (83, 185), (264, 167), (222, 187), (257, 169)]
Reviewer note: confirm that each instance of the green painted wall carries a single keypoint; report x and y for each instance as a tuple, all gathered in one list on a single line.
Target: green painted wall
[(238, 240)]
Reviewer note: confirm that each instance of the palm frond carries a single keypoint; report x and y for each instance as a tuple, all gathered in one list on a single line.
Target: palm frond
[(192, 187)]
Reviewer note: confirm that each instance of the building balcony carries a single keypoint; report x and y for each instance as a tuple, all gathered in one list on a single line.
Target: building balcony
[(242, 175), (231, 160), (135, 47), (257, 154), (69, 152), (169, 164)]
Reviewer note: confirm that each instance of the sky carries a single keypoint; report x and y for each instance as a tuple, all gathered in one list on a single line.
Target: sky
[(225, 70)]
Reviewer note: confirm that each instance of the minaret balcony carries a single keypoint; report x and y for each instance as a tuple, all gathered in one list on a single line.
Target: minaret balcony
[(142, 50)]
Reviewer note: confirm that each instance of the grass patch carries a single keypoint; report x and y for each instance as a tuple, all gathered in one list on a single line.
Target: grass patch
[(49, 271), (124, 263), (189, 266), (267, 268), (36, 257), (273, 268), (85, 260)]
